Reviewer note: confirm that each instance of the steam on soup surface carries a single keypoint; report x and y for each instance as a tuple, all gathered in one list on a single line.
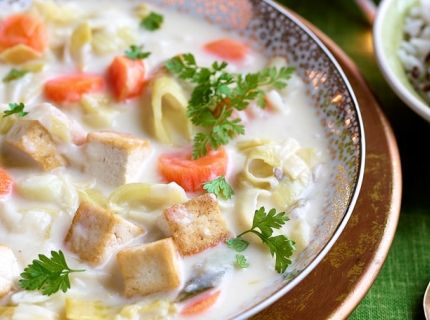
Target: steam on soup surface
[(129, 153)]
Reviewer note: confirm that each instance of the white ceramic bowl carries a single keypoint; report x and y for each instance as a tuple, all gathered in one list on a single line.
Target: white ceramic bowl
[(387, 35), (277, 32)]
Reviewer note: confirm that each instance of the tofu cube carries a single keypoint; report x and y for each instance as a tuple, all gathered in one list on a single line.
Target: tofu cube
[(28, 141), (96, 232), (197, 224), (150, 268), (115, 158), (8, 270)]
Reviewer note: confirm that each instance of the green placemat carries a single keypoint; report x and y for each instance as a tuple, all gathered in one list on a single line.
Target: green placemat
[(399, 288)]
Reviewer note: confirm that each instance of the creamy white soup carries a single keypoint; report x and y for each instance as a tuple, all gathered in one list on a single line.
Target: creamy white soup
[(100, 163)]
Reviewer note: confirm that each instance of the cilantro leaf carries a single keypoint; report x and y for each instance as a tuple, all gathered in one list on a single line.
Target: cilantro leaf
[(152, 22), (15, 108), (280, 246), (136, 53), (241, 261), (217, 94), (219, 187), (47, 274), (14, 74)]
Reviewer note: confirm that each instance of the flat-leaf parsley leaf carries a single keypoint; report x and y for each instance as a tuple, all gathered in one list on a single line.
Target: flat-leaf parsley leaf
[(241, 261), (219, 187), (15, 108), (280, 246), (152, 22), (136, 53), (47, 274), (218, 93)]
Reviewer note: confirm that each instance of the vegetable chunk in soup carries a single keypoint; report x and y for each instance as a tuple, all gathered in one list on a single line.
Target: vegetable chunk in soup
[(151, 166)]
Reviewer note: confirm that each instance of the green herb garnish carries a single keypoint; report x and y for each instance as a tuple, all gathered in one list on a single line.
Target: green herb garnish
[(280, 245), (217, 93), (15, 108), (14, 74), (241, 261), (152, 22), (219, 187), (136, 53), (48, 274)]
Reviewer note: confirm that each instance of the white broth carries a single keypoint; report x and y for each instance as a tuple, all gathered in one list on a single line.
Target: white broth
[(36, 216)]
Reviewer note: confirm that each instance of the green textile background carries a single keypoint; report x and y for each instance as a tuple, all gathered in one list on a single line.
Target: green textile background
[(398, 290)]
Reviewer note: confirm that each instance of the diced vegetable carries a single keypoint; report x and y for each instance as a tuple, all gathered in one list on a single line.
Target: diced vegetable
[(227, 49), (23, 29), (6, 184), (201, 305), (70, 88), (127, 77), (18, 54), (77, 309), (191, 174)]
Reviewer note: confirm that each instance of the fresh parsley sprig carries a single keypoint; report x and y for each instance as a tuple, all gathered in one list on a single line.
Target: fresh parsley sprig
[(15, 108), (14, 74), (218, 93), (152, 22), (47, 274), (280, 246), (136, 53), (219, 187)]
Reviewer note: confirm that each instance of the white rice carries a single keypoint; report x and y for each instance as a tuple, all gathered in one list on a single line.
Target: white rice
[(414, 51)]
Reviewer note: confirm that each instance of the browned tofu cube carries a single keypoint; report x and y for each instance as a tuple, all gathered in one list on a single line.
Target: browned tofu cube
[(8, 270), (115, 158), (28, 141), (196, 225), (95, 232), (150, 268)]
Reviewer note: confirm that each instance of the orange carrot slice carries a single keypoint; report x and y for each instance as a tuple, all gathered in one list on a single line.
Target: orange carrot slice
[(127, 77), (227, 49), (201, 305), (6, 184), (23, 28), (191, 174), (70, 88)]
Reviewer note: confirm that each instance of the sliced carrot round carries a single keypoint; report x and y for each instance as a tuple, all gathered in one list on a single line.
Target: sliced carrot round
[(70, 88), (201, 305), (227, 49), (191, 174), (23, 28), (127, 77), (6, 184)]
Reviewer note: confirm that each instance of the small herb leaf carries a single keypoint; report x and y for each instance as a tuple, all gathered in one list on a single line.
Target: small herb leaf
[(152, 22), (14, 74), (47, 274), (280, 246), (136, 53), (237, 244), (15, 108), (219, 187), (241, 261)]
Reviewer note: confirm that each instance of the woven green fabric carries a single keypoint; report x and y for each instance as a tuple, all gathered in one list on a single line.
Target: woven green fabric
[(398, 290)]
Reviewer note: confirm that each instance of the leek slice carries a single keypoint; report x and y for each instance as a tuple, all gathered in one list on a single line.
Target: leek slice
[(154, 310), (77, 309), (147, 196), (169, 106)]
